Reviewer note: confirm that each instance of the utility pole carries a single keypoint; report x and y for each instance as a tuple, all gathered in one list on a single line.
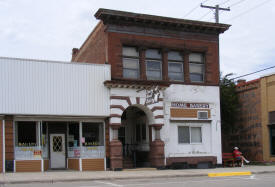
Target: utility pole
[(217, 8)]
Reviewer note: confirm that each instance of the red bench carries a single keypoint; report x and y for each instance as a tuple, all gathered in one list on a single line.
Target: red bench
[(229, 158)]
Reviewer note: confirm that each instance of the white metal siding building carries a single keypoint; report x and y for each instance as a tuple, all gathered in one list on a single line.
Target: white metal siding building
[(53, 88), (52, 115)]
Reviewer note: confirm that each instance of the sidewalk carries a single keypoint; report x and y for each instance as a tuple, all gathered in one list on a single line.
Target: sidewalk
[(66, 176)]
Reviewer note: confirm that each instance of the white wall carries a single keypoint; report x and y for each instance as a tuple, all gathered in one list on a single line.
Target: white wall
[(34, 87), (211, 131)]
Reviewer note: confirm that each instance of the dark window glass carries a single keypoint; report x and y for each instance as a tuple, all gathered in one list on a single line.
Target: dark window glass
[(92, 134), (272, 117), (272, 139), (26, 133), (73, 138), (183, 134)]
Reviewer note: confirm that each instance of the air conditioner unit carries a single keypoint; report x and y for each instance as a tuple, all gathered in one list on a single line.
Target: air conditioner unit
[(202, 114)]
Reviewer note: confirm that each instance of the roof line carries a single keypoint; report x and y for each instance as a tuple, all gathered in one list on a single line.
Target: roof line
[(51, 61)]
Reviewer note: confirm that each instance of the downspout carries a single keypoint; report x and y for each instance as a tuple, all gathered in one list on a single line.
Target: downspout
[(4, 150)]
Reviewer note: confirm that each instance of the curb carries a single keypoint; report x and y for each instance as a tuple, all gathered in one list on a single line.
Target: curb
[(121, 178)]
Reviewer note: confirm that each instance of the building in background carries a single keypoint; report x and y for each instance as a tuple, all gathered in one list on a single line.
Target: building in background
[(164, 88), (255, 130), (52, 115)]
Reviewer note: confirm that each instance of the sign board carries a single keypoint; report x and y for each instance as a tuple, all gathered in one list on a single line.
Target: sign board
[(189, 105)]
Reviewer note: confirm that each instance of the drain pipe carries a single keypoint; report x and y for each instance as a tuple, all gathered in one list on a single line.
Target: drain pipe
[(4, 150)]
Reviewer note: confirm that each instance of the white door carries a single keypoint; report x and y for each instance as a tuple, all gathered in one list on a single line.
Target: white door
[(57, 150)]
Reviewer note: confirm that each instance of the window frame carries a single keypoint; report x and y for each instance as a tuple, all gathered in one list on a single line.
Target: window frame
[(97, 126), (160, 60), (190, 135), (181, 62), (182, 72), (197, 63), (136, 58), (16, 132), (160, 71)]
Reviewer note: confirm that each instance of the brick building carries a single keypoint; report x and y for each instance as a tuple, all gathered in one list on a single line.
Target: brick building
[(164, 88), (253, 132), (142, 91)]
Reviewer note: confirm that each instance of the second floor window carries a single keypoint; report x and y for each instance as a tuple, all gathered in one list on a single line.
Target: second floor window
[(130, 62), (196, 67), (153, 61), (175, 66)]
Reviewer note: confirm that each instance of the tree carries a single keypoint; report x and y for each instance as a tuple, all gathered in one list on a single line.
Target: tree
[(229, 103)]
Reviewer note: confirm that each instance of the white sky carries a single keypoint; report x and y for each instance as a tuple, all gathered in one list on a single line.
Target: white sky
[(49, 29)]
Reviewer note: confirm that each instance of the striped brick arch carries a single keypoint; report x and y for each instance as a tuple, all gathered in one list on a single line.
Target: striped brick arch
[(119, 104)]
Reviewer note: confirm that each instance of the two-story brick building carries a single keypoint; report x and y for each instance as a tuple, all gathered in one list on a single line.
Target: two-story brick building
[(164, 88), (147, 95), (254, 130)]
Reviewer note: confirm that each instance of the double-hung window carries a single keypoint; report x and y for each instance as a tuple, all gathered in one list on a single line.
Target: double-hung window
[(130, 62), (175, 66), (153, 61), (196, 67), (187, 134)]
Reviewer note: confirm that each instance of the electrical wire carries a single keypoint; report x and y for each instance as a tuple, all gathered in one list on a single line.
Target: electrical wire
[(224, 2), (249, 10), (193, 9), (253, 72), (238, 2), (205, 15)]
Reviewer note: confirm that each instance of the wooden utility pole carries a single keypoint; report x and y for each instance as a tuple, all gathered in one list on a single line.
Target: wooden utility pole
[(217, 8)]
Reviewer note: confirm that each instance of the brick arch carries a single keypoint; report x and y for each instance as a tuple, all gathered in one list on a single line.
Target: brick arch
[(119, 104)]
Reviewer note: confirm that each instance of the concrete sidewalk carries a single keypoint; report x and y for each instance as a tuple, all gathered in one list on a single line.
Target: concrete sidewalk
[(67, 176)]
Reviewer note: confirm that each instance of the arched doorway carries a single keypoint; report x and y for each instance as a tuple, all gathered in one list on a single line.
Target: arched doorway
[(135, 137)]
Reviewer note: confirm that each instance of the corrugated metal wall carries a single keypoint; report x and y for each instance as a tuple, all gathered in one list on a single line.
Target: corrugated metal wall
[(53, 88)]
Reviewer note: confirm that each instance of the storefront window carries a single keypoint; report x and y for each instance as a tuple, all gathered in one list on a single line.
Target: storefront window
[(92, 134), (73, 138), (44, 139), (26, 134), (27, 140)]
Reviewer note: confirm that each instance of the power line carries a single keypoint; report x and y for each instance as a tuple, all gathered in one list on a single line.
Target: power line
[(193, 9), (224, 2), (217, 8), (253, 8), (253, 72), (238, 2), (205, 15), (211, 10)]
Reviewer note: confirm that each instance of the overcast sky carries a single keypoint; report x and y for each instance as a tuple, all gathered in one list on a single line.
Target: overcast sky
[(49, 29)]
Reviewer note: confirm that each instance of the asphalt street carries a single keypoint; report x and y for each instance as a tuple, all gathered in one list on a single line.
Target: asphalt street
[(267, 180)]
